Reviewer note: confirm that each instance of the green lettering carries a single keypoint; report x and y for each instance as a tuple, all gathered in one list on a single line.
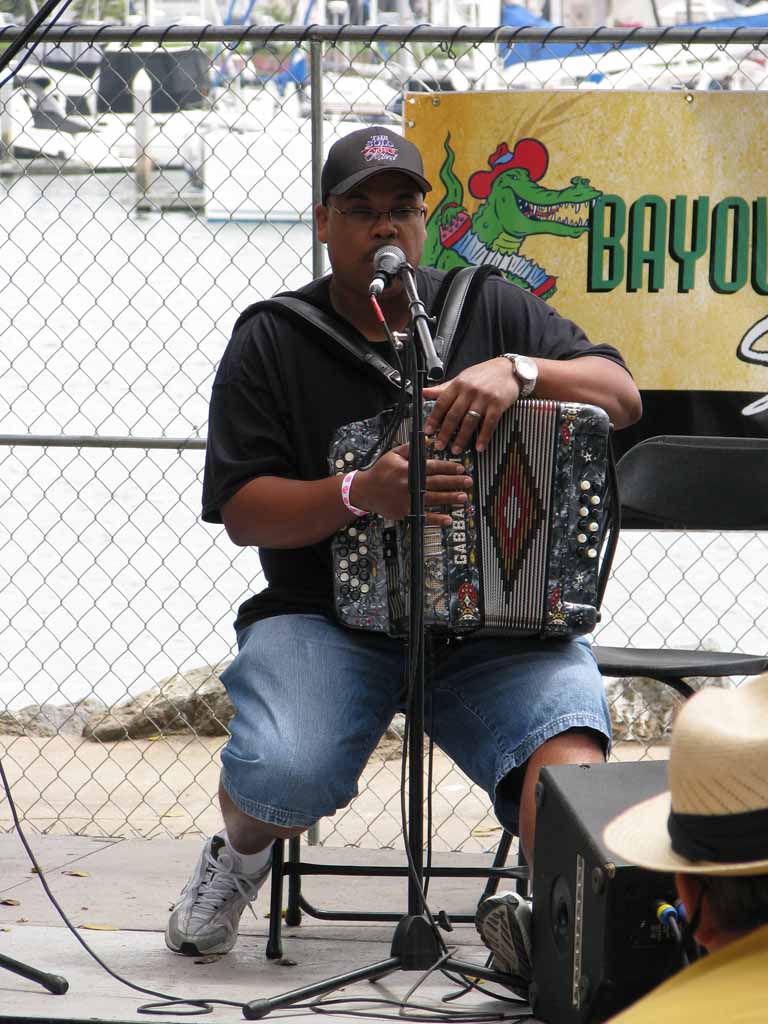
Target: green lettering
[(654, 255), (606, 255), (729, 256), (759, 247), (686, 258)]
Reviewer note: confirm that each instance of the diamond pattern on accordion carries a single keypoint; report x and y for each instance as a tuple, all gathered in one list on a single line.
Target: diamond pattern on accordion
[(513, 510)]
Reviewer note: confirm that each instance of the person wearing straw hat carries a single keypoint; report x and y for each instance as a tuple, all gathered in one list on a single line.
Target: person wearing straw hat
[(711, 830)]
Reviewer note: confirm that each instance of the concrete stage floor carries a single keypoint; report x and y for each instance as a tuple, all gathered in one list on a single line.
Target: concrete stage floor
[(117, 893)]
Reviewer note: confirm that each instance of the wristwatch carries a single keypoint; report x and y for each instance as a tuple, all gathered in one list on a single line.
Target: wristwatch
[(526, 371)]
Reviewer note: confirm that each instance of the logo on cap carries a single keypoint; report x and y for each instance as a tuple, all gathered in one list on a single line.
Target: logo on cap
[(379, 147)]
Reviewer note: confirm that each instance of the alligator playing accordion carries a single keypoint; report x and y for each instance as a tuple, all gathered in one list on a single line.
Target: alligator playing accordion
[(523, 557)]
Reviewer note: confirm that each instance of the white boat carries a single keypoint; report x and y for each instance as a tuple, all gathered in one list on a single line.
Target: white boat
[(668, 66)]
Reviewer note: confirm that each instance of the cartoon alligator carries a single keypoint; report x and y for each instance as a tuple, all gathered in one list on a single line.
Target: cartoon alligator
[(513, 206)]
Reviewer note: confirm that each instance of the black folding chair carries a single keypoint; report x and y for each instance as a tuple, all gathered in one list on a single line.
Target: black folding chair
[(293, 868), (686, 483)]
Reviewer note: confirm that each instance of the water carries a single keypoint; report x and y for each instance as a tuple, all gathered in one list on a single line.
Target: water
[(113, 324)]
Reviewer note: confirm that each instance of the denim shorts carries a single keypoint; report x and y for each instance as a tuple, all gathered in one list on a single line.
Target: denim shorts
[(312, 700)]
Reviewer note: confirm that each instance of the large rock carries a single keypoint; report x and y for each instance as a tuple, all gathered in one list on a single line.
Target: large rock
[(193, 702), (643, 710), (390, 746), (50, 719)]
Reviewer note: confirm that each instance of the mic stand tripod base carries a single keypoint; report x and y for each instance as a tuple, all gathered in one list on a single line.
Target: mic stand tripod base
[(414, 948), (259, 1008), (52, 982), (415, 944)]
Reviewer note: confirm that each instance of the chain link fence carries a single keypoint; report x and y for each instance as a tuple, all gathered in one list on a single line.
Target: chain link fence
[(152, 184)]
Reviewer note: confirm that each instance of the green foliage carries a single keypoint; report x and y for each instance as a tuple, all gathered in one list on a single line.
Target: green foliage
[(20, 9), (79, 10)]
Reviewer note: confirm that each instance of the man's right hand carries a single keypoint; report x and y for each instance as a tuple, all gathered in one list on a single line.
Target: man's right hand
[(278, 512), (383, 488)]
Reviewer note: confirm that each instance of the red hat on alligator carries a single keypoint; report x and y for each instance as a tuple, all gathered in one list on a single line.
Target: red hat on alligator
[(528, 153)]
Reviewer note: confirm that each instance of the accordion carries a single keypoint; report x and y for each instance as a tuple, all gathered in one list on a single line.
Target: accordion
[(521, 558)]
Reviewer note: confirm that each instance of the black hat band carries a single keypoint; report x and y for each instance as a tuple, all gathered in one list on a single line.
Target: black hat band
[(721, 838)]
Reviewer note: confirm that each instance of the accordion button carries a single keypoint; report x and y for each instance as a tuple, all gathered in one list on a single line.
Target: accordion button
[(582, 538), (363, 549), (344, 576), (363, 538), (594, 527), (354, 583), (343, 564), (364, 588), (349, 457), (353, 557), (583, 511), (352, 531), (339, 463), (594, 500), (591, 553), (585, 485)]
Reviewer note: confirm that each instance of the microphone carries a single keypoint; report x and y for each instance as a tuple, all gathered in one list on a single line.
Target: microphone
[(388, 261)]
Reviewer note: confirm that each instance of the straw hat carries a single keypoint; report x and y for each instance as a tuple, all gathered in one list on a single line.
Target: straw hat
[(714, 819)]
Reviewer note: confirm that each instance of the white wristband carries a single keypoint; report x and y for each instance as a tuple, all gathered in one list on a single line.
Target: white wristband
[(346, 485)]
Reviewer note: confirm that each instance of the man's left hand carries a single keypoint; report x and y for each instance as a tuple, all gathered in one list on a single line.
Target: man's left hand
[(473, 401)]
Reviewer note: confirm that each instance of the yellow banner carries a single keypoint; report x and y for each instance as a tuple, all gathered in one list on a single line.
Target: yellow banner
[(641, 216)]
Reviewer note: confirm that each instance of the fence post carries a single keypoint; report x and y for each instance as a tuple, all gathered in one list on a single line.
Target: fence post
[(142, 104), (316, 122), (318, 250)]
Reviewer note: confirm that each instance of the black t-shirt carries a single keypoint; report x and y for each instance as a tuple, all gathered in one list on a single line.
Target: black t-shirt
[(282, 391)]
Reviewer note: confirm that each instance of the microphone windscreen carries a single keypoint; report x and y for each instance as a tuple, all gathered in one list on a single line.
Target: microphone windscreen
[(389, 259)]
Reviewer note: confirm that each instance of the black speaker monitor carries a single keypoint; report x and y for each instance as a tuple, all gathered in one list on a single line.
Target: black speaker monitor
[(598, 944)]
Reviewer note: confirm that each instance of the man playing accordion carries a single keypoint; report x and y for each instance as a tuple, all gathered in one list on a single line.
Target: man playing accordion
[(312, 698)]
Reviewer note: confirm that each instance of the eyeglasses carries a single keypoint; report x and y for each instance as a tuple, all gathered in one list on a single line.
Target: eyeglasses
[(366, 216)]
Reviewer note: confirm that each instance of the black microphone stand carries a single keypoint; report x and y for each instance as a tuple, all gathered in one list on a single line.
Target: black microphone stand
[(52, 982), (416, 944)]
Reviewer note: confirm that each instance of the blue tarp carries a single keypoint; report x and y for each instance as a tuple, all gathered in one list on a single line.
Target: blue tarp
[(524, 53)]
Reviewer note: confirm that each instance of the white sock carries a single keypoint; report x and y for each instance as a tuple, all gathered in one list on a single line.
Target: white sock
[(248, 863)]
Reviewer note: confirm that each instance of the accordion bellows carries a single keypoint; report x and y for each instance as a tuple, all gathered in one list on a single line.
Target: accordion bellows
[(520, 559)]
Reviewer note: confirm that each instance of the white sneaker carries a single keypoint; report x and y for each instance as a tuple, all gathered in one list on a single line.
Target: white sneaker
[(504, 923), (207, 913)]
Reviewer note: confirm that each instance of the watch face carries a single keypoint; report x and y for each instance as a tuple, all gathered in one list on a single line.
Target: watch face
[(526, 369), (527, 372)]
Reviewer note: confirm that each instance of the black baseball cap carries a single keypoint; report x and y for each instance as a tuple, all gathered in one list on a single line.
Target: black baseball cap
[(366, 152)]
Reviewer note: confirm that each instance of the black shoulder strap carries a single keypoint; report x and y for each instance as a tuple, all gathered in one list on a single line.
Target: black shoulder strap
[(455, 299), (460, 297), (321, 320)]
